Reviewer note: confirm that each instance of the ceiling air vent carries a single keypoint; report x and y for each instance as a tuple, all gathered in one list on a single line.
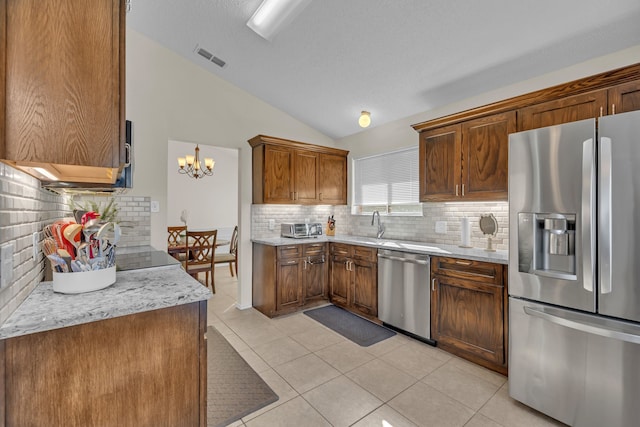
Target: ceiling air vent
[(209, 56)]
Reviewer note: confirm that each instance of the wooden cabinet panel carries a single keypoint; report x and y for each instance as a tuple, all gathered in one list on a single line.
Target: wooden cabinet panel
[(287, 171), (144, 369), (333, 179), (624, 98), (64, 82), (569, 109), (468, 311), (340, 280), (289, 279), (469, 317), (365, 289), (306, 184), (315, 278), (278, 182), (440, 159), (485, 157)]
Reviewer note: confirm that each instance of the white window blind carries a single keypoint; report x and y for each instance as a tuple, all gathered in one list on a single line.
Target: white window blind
[(387, 182)]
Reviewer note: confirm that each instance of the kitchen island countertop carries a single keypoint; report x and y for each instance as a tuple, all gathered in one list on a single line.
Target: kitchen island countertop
[(134, 291), (434, 249)]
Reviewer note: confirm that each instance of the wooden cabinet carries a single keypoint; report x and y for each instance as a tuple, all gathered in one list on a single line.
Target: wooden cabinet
[(354, 278), (568, 109), (291, 172), (624, 97), (287, 278), (467, 161), (468, 310), (62, 71), (333, 179), (145, 369)]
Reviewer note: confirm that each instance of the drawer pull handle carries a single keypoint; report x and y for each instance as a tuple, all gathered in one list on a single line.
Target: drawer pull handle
[(433, 284), (464, 262)]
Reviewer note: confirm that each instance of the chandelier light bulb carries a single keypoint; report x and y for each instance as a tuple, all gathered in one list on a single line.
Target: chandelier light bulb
[(365, 119)]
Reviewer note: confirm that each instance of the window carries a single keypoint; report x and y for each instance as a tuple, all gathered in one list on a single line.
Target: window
[(388, 183)]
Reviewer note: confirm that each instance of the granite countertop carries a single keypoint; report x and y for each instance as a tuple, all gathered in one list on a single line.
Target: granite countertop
[(476, 254), (134, 291)]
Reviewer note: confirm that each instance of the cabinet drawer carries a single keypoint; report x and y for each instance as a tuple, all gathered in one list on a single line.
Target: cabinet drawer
[(341, 249), (477, 271), (311, 249), (365, 253), (289, 251)]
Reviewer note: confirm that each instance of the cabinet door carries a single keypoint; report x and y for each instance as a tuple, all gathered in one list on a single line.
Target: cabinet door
[(468, 316), (315, 278), (305, 181), (289, 284), (64, 82), (625, 97), (570, 109), (340, 280), (333, 179), (440, 164), (365, 289), (485, 155), (278, 181)]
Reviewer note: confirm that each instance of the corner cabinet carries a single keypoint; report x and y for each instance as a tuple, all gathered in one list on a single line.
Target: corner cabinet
[(289, 277), (291, 172), (466, 161), (63, 80), (353, 279), (469, 310)]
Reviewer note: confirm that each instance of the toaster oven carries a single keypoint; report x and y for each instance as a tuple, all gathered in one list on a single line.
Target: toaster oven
[(300, 230)]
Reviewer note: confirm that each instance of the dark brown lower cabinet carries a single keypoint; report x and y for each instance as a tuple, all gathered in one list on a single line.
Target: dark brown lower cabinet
[(468, 310), (354, 278), (145, 369), (289, 277)]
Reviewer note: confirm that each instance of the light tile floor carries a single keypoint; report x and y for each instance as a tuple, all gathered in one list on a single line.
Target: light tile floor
[(323, 379)]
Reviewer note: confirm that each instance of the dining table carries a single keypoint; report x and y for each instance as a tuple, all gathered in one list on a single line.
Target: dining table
[(176, 250)]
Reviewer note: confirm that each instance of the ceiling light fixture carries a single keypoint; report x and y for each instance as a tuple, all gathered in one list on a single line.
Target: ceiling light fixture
[(190, 165), (272, 15), (365, 119)]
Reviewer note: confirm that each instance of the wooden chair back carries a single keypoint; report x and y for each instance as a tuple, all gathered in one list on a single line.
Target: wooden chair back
[(174, 238), (201, 248)]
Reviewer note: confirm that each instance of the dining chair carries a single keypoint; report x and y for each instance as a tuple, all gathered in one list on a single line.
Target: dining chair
[(176, 247), (201, 247), (232, 256)]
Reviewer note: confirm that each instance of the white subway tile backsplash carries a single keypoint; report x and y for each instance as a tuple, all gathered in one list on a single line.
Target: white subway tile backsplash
[(421, 229)]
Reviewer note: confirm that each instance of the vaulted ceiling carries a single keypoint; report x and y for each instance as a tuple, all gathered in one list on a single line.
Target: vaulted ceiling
[(394, 58)]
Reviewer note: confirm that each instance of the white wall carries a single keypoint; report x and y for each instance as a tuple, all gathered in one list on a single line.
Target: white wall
[(169, 98), (212, 201), (400, 134)]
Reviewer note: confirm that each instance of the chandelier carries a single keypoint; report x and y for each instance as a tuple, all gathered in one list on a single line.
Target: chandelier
[(191, 166)]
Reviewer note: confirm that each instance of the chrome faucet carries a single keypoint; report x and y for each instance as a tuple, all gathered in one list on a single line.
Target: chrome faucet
[(380, 226)]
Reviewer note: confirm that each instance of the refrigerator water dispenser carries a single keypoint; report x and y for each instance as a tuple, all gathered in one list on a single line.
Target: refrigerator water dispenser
[(546, 244)]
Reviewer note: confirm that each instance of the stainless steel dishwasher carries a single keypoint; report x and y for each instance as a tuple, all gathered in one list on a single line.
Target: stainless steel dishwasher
[(404, 297)]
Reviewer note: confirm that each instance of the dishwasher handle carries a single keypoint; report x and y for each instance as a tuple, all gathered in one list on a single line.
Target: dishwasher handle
[(409, 260)]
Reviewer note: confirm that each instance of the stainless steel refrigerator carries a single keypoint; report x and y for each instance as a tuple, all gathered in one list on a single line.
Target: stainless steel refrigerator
[(574, 270)]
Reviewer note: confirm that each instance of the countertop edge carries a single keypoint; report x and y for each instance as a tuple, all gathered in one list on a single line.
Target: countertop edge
[(43, 310), (433, 249)]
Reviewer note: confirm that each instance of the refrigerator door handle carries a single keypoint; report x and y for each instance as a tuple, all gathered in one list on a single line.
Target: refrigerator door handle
[(588, 324), (605, 216), (588, 214)]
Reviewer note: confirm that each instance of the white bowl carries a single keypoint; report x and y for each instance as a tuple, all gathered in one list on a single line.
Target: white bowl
[(83, 281)]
